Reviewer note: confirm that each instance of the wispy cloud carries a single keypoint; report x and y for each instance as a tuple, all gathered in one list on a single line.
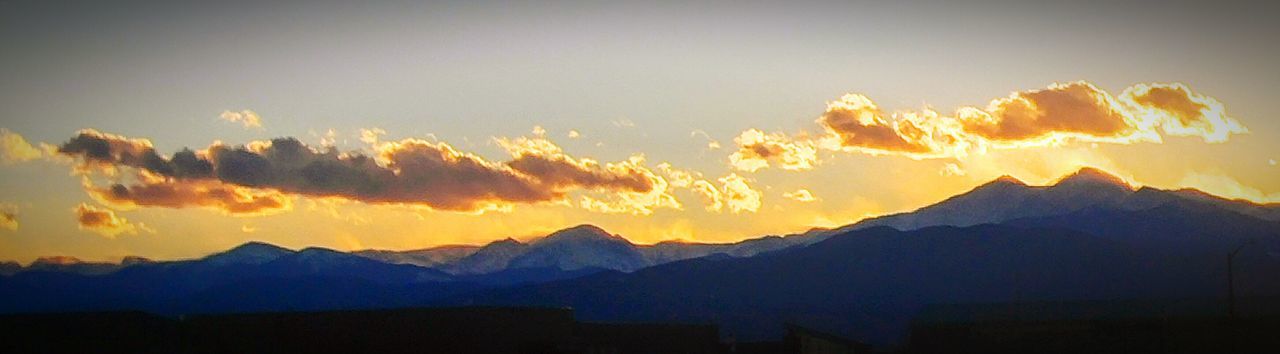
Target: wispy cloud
[(731, 192), (712, 143), (8, 217), (800, 195), (623, 123), (247, 118), (1223, 185)]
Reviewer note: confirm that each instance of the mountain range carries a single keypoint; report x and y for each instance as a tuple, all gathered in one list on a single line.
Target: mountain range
[(1089, 236)]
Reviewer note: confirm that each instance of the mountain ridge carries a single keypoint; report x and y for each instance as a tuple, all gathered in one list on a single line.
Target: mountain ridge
[(1087, 237), (1000, 200)]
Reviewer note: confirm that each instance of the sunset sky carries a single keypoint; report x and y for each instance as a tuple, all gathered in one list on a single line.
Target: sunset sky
[(405, 125)]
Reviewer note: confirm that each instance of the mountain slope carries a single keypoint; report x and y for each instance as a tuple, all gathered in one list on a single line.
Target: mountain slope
[(170, 287), (867, 284), (863, 284), (581, 247), (430, 257), (493, 257), (572, 249), (1007, 199)]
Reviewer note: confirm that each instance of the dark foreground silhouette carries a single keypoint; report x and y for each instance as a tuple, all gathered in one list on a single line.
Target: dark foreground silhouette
[(942, 329), (427, 330)]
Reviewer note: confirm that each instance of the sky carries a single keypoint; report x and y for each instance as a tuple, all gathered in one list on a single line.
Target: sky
[(173, 129)]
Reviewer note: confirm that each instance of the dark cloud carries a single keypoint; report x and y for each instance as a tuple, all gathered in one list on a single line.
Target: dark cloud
[(555, 170), (408, 172), (107, 150)]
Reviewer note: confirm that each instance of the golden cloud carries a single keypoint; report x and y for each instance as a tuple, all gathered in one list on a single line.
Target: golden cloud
[(738, 194), (859, 124), (756, 149), (1057, 114), (1180, 112), (248, 118), (14, 148), (713, 198), (733, 191), (104, 221), (800, 195)]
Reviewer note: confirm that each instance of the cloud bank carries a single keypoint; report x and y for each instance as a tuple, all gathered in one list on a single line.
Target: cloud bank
[(1058, 114), (258, 177)]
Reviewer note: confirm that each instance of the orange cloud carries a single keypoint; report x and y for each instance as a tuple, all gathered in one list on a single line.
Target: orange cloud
[(1057, 114), (545, 162), (858, 123), (241, 180), (438, 176), (104, 222), (1076, 109), (756, 149), (232, 200)]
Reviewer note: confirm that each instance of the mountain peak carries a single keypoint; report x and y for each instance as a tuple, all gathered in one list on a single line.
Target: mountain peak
[(1007, 179), (132, 260), (1005, 182), (579, 233), (1093, 176), (253, 252), (56, 260), (505, 242)]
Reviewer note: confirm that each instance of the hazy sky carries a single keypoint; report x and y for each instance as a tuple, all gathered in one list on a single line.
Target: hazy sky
[(548, 115)]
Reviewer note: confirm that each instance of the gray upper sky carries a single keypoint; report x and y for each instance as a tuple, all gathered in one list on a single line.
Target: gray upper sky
[(630, 77)]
